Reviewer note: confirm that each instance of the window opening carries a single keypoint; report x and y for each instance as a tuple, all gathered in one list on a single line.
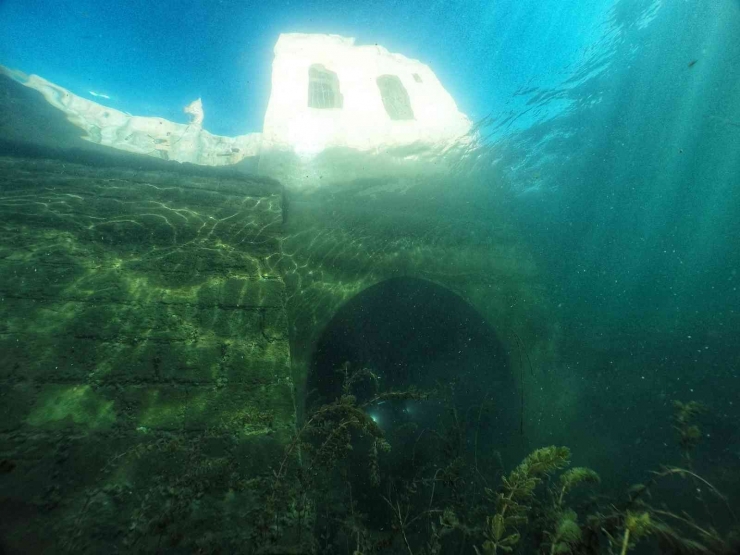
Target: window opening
[(395, 97), (323, 88)]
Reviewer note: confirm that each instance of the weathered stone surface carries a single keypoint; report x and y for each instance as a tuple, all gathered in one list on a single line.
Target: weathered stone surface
[(355, 235), (143, 354), (152, 325)]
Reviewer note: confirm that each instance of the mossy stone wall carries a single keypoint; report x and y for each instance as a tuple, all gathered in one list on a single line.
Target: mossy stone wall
[(153, 324), (455, 233), (145, 385)]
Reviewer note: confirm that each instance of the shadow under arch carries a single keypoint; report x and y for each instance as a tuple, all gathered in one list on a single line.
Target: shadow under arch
[(415, 333)]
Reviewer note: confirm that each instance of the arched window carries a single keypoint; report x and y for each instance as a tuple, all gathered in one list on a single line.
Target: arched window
[(323, 88), (395, 97)]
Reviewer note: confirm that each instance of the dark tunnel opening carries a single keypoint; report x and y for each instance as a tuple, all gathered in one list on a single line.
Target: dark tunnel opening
[(415, 334), (411, 332)]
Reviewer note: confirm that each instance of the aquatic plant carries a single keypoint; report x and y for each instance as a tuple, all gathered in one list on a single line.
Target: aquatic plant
[(425, 504), (563, 530), (326, 437), (636, 526), (567, 533), (689, 433), (573, 477), (676, 533), (613, 527), (514, 499)]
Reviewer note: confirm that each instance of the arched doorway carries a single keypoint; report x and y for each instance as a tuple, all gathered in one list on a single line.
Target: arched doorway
[(415, 333)]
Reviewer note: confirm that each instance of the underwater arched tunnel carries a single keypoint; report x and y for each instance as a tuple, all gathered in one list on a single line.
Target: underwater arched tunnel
[(414, 333)]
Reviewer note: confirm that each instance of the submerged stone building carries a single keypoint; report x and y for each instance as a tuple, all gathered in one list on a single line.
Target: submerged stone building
[(162, 325)]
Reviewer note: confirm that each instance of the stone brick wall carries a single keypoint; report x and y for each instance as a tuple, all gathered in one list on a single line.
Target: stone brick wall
[(145, 382), (153, 324), (343, 240)]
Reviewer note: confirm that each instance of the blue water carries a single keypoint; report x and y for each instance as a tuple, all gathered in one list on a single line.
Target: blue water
[(610, 128)]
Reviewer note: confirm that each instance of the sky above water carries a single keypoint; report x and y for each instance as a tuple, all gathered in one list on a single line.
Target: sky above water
[(153, 58)]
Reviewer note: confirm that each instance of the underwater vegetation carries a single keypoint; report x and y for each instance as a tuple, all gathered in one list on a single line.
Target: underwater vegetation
[(443, 503), (343, 484), (341, 487)]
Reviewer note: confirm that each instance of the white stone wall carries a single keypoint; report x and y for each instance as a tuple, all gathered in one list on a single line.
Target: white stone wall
[(301, 146), (362, 123), (151, 136)]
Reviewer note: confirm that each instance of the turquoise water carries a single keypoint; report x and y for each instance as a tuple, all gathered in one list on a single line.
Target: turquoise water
[(605, 147)]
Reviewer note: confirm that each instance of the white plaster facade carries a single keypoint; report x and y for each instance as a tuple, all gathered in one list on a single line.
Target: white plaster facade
[(362, 123), (413, 119)]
